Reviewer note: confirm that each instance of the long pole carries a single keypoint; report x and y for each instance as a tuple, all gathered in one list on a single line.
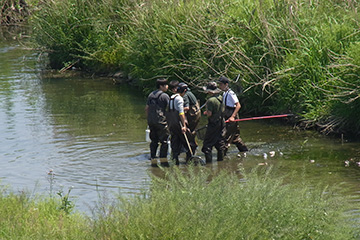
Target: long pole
[(263, 117)]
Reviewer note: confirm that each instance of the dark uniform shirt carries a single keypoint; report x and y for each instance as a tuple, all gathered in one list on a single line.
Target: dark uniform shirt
[(157, 102), (214, 104), (189, 99)]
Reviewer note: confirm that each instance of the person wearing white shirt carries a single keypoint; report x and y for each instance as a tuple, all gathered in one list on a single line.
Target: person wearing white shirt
[(232, 107), (175, 115)]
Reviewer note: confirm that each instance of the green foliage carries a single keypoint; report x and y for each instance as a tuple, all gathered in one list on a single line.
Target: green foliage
[(197, 205), (193, 203), (23, 217), (66, 205), (13, 12), (292, 56)]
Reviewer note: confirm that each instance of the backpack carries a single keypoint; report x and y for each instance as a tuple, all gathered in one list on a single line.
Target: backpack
[(156, 114), (172, 115), (193, 116)]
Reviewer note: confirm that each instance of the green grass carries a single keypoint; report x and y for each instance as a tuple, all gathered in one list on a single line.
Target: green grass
[(22, 217), (292, 56), (13, 12), (193, 203)]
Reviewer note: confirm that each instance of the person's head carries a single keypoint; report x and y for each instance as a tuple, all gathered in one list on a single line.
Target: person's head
[(182, 88), (223, 83), (162, 84), (173, 86), (211, 88)]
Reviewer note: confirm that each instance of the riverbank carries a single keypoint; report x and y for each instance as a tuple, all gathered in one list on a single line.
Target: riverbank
[(284, 56), (91, 134), (190, 206)]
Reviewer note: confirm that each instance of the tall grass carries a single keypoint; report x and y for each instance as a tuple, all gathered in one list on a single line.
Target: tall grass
[(195, 204), (13, 12), (25, 217), (292, 55), (189, 206)]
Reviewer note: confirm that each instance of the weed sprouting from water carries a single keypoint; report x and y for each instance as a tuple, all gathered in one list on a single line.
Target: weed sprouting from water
[(51, 179)]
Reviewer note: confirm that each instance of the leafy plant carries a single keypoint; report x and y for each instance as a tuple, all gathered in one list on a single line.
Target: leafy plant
[(66, 205)]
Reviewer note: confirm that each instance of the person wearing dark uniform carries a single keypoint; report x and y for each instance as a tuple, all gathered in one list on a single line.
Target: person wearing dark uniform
[(192, 114), (155, 111), (215, 132), (176, 119), (192, 110), (232, 107)]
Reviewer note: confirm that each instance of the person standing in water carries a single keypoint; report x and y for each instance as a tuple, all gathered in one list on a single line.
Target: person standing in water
[(155, 113), (215, 132), (232, 107), (192, 110), (176, 119)]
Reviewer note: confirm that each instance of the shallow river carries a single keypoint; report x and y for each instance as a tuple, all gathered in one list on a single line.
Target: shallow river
[(91, 134)]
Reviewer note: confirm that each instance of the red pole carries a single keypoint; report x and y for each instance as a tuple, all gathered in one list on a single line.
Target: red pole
[(263, 117)]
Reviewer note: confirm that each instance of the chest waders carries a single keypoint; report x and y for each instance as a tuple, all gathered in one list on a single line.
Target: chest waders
[(158, 130), (214, 136), (156, 114), (173, 119), (232, 135)]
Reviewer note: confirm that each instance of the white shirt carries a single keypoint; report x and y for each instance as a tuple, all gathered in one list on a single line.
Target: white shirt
[(178, 103), (230, 99)]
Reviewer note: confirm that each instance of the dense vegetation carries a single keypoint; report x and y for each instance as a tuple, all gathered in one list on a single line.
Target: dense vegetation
[(13, 11), (191, 205), (290, 55)]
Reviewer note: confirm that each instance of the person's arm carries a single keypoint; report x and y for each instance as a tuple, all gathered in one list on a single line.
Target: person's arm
[(233, 115), (208, 113), (182, 119), (179, 106)]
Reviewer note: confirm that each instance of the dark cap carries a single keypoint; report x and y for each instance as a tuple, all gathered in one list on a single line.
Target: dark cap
[(224, 80), (181, 87), (211, 87)]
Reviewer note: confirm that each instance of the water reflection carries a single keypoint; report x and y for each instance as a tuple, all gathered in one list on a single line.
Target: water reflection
[(92, 134)]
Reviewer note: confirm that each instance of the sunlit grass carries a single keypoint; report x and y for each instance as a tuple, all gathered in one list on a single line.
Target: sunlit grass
[(192, 204), (22, 217), (260, 206)]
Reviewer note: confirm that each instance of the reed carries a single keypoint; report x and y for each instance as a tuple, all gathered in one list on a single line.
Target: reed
[(13, 12), (193, 203), (198, 205), (25, 217), (292, 55)]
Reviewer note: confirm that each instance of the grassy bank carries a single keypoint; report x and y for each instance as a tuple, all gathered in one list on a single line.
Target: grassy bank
[(192, 205), (292, 55), (13, 12)]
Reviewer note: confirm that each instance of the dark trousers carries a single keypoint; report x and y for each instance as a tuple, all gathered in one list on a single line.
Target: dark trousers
[(178, 142), (232, 136), (159, 133), (214, 137)]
